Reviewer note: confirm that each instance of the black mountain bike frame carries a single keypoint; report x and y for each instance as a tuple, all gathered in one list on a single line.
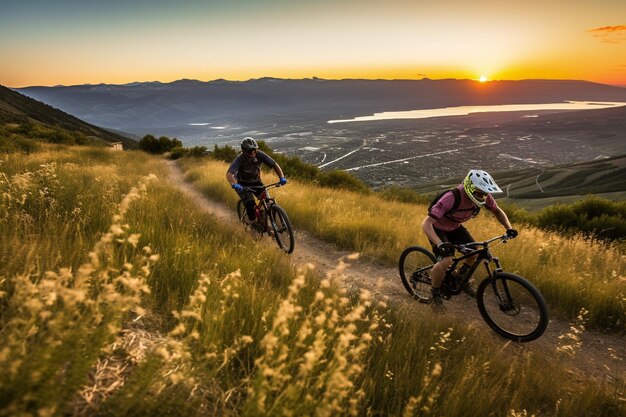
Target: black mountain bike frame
[(468, 250)]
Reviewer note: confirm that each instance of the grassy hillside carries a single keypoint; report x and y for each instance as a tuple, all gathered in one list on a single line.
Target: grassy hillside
[(119, 296), (571, 272), (28, 117)]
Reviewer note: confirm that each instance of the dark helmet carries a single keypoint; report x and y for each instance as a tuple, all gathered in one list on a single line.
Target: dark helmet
[(248, 144)]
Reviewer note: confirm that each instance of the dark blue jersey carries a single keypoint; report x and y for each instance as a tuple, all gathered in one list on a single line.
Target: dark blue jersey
[(247, 169)]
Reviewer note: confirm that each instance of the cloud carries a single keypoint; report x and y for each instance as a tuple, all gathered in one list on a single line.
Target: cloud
[(610, 34)]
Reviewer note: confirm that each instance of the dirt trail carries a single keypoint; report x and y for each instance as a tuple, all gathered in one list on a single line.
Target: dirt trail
[(601, 357)]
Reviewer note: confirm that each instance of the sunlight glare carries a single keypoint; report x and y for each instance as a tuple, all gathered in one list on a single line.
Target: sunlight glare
[(483, 79)]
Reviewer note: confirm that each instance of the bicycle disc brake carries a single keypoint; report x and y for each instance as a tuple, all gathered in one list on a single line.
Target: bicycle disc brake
[(510, 308)]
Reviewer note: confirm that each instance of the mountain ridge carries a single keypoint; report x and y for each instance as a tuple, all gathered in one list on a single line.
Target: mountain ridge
[(159, 108), (269, 78), (18, 108)]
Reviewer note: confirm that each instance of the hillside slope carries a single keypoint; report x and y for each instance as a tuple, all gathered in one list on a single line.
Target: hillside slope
[(384, 281), (18, 108)]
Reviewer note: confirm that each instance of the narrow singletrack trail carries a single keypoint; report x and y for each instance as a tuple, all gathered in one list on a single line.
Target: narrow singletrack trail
[(601, 357)]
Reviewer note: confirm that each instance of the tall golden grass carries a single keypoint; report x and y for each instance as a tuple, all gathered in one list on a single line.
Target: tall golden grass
[(132, 301), (571, 272)]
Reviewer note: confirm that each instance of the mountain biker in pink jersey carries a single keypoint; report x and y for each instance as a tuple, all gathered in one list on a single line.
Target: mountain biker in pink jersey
[(245, 171), (443, 225)]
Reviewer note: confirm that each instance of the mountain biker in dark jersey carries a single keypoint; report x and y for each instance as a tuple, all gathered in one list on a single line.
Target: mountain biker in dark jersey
[(444, 228), (245, 171)]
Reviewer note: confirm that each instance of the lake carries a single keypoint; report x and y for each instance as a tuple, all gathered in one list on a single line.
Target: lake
[(465, 110)]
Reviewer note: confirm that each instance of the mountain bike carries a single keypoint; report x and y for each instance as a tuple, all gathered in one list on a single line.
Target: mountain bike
[(509, 304), (276, 224)]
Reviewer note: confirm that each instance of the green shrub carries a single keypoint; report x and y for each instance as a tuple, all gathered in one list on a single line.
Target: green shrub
[(342, 180), (593, 206), (517, 214), (17, 143), (226, 153), (196, 152), (593, 216), (177, 152), (161, 145)]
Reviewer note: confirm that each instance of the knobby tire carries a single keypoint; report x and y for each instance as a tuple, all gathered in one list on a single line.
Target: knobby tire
[(523, 317), (412, 259), (283, 232)]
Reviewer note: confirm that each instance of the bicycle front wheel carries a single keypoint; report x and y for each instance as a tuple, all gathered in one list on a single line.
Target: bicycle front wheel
[(280, 225), (415, 265), (512, 307), (241, 211)]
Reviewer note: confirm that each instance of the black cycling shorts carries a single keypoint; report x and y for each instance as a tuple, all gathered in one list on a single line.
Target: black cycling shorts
[(458, 236)]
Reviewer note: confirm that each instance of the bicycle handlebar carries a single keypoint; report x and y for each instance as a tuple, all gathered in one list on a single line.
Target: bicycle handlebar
[(264, 187), (475, 245)]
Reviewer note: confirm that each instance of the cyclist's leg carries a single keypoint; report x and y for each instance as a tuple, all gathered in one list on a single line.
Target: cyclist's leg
[(461, 236), (248, 202), (247, 197), (439, 270)]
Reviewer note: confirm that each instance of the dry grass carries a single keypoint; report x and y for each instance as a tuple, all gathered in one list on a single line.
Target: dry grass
[(132, 301), (571, 272)]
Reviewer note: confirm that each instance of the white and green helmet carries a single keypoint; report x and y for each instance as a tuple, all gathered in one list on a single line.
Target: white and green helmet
[(481, 181)]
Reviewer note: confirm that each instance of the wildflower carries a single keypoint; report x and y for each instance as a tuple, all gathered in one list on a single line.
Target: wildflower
[(133, 239), (320, 319), (246, 340)]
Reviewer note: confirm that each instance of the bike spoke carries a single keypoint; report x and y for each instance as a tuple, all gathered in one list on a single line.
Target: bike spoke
[(282, 229), (415, 266), (515, 309)]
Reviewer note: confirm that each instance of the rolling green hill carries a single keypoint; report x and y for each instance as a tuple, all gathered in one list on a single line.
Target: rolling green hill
[(23, 114), (541, 187)]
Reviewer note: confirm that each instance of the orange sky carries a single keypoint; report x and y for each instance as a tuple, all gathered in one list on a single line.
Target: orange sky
[(74, 42)]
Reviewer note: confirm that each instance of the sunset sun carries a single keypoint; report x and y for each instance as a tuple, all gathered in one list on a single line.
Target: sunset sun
[(483, 79)]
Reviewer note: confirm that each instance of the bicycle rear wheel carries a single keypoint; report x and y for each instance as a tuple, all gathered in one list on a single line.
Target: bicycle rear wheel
[(242, 214), (415, 265), (280, 225), (512, 307)]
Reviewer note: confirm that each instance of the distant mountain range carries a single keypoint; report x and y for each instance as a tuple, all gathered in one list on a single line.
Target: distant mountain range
[(18, 108), (166, 108), (285, 106)]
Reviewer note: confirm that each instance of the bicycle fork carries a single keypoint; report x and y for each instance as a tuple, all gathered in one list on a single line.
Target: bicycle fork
[(502, 291)]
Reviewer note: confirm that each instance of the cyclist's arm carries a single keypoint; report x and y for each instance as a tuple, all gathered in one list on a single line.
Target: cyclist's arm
[(279, 171), (232, 170), (429, 229), (502, 217), (231, 178)]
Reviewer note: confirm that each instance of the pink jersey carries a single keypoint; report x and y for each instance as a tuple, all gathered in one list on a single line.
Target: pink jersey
[(463, 213)]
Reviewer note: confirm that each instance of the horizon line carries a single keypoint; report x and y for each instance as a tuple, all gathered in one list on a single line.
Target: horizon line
[(313, 78)]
